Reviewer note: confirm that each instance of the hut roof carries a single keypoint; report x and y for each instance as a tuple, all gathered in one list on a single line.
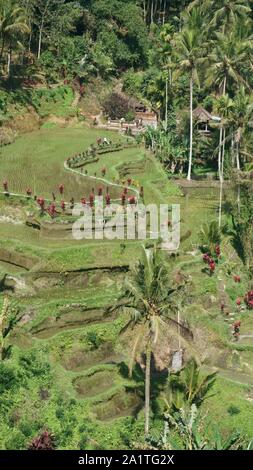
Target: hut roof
[(203, 115)]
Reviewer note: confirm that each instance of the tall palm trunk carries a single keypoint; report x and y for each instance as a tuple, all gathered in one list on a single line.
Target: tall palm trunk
[(9, 62), (40, 42), (238, 157), (152, 12), (219, 156), (164, 11), (191, 128), (166, 104), (147, 388), (222, 139), (144, 10)]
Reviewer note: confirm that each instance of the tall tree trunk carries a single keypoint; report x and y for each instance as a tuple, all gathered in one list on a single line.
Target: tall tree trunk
[(144, 11), (2, 47), (40, 41), (9, 62), (30, 40), (219, 156), (191, 128), (220, 203), (166, 104), (223, 154), (238, 157), (147, 388), (232, 149), (152, 12), (164, 11)]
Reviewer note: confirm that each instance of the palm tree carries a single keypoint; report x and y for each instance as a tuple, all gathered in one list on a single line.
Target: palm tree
[(226, 12), (223, 12), (242, 116), (209, 236), (152, 304), (226, 60), (189, 386), (13, 24), (187, 45), (224, 107)]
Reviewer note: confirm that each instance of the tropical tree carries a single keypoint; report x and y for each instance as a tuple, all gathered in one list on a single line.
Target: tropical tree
[(223, 13), (192, 430), (209, 236), (241, 117), (187, 44), (189, 386), (13, 25), (226, 12), (9, 316), (152, 304)]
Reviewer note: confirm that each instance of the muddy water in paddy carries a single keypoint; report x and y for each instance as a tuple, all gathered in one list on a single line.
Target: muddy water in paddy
[(74, 319), (123, 403), (79, 360), (91, 385)]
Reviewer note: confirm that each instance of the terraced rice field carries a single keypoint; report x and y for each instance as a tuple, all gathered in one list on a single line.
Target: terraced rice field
[(69, 324)]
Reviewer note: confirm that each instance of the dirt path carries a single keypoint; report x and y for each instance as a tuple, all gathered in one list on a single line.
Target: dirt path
[(101, 180)]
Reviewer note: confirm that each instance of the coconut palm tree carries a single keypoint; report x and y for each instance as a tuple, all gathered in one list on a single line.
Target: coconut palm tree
[(226, 12), (242, 116), (152, 305), (187, 44), (226, 60), (13, 24), (223, 12)]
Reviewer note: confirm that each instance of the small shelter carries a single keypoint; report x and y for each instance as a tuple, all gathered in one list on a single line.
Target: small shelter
[(204, 119)]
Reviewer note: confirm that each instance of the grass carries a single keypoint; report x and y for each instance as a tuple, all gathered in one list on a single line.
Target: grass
[(36, 160)]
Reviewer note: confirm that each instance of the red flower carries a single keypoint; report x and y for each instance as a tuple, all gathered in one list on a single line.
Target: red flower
[(91, 198), (63, 205), (237, 278), (108, 199), (217, 250), (132, 200), (61, 188), (123, 199), (206, 258), (100, 191), (52, 210), (41, 202), (249, 299), (238, 301)]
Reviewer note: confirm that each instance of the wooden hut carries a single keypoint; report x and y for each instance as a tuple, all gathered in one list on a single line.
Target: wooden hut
[(204, 120)]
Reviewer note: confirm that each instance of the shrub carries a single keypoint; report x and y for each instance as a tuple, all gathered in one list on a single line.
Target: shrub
[(93, 339), (45, 441), (7, 136), (117, 106), (8, 378)]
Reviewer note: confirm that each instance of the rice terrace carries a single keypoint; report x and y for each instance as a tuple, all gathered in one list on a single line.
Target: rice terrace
[(111, 344)]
